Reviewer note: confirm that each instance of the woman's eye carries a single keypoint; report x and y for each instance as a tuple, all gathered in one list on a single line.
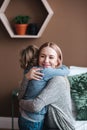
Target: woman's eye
[(51, 57), (42, 56)]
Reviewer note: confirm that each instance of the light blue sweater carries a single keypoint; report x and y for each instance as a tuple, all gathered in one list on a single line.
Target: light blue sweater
[(34, 87)]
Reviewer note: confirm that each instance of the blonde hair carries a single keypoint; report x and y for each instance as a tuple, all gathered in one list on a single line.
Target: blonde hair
[(56, 48), (28, 56)]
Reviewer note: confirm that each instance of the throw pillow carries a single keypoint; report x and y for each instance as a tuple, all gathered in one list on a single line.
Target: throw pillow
[(78, 85)]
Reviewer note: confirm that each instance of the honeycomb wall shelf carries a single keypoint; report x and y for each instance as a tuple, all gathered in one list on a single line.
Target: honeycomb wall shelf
[(6, 22)]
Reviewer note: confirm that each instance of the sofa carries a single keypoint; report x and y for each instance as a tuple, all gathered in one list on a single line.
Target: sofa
[(78, 83)]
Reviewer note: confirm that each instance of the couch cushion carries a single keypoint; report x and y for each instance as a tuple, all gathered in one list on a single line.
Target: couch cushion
[(74, 70), (81, 125), (78, 85)]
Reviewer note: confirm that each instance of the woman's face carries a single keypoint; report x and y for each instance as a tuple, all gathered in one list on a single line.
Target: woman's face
[(48, 58)]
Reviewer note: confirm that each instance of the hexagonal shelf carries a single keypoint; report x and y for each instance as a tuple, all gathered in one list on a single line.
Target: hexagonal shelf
[(44, 17)]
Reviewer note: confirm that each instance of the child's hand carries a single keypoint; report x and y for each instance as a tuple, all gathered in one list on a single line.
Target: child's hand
[(34, 73)]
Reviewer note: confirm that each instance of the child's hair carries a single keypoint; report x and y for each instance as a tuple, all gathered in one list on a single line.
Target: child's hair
[(28, 56)]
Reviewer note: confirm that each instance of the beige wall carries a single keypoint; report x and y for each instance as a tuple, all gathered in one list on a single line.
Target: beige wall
[(67, 28)]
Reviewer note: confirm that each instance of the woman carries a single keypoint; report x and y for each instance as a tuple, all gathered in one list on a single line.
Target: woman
[(56, 94), (28, 59)]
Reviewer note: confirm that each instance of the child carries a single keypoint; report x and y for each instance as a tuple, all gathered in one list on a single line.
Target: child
[(29, 56)]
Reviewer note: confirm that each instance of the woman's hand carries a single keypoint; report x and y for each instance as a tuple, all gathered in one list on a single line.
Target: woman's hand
[(34, 73)]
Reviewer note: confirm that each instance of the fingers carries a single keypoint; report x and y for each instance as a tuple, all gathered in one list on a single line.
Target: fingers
[(37, 77), (36, 74)]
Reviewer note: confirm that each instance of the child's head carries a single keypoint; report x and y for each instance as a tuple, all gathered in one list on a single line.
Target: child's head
[(50, 55), (28, 56)]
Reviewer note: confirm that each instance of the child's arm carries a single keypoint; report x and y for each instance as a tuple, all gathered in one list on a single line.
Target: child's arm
[(52, 72)]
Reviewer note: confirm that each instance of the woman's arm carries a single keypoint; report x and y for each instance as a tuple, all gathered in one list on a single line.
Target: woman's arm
[(22, 88), (48, 96), (33, 73)]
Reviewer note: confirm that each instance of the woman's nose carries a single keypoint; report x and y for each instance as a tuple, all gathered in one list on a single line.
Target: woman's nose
[(46, 59)]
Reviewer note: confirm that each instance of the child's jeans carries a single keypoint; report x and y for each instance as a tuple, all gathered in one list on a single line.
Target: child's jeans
[(25, 124)]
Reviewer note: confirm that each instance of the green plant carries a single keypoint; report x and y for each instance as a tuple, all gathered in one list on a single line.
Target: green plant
[(20, 19)]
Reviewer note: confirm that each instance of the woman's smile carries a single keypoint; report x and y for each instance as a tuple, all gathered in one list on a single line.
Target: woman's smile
[(46, 65)]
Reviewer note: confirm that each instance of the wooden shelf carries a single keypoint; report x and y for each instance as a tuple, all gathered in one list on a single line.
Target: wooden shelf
[(6, 21)]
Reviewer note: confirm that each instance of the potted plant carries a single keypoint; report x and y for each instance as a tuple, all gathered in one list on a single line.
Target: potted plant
[(20, 24)]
